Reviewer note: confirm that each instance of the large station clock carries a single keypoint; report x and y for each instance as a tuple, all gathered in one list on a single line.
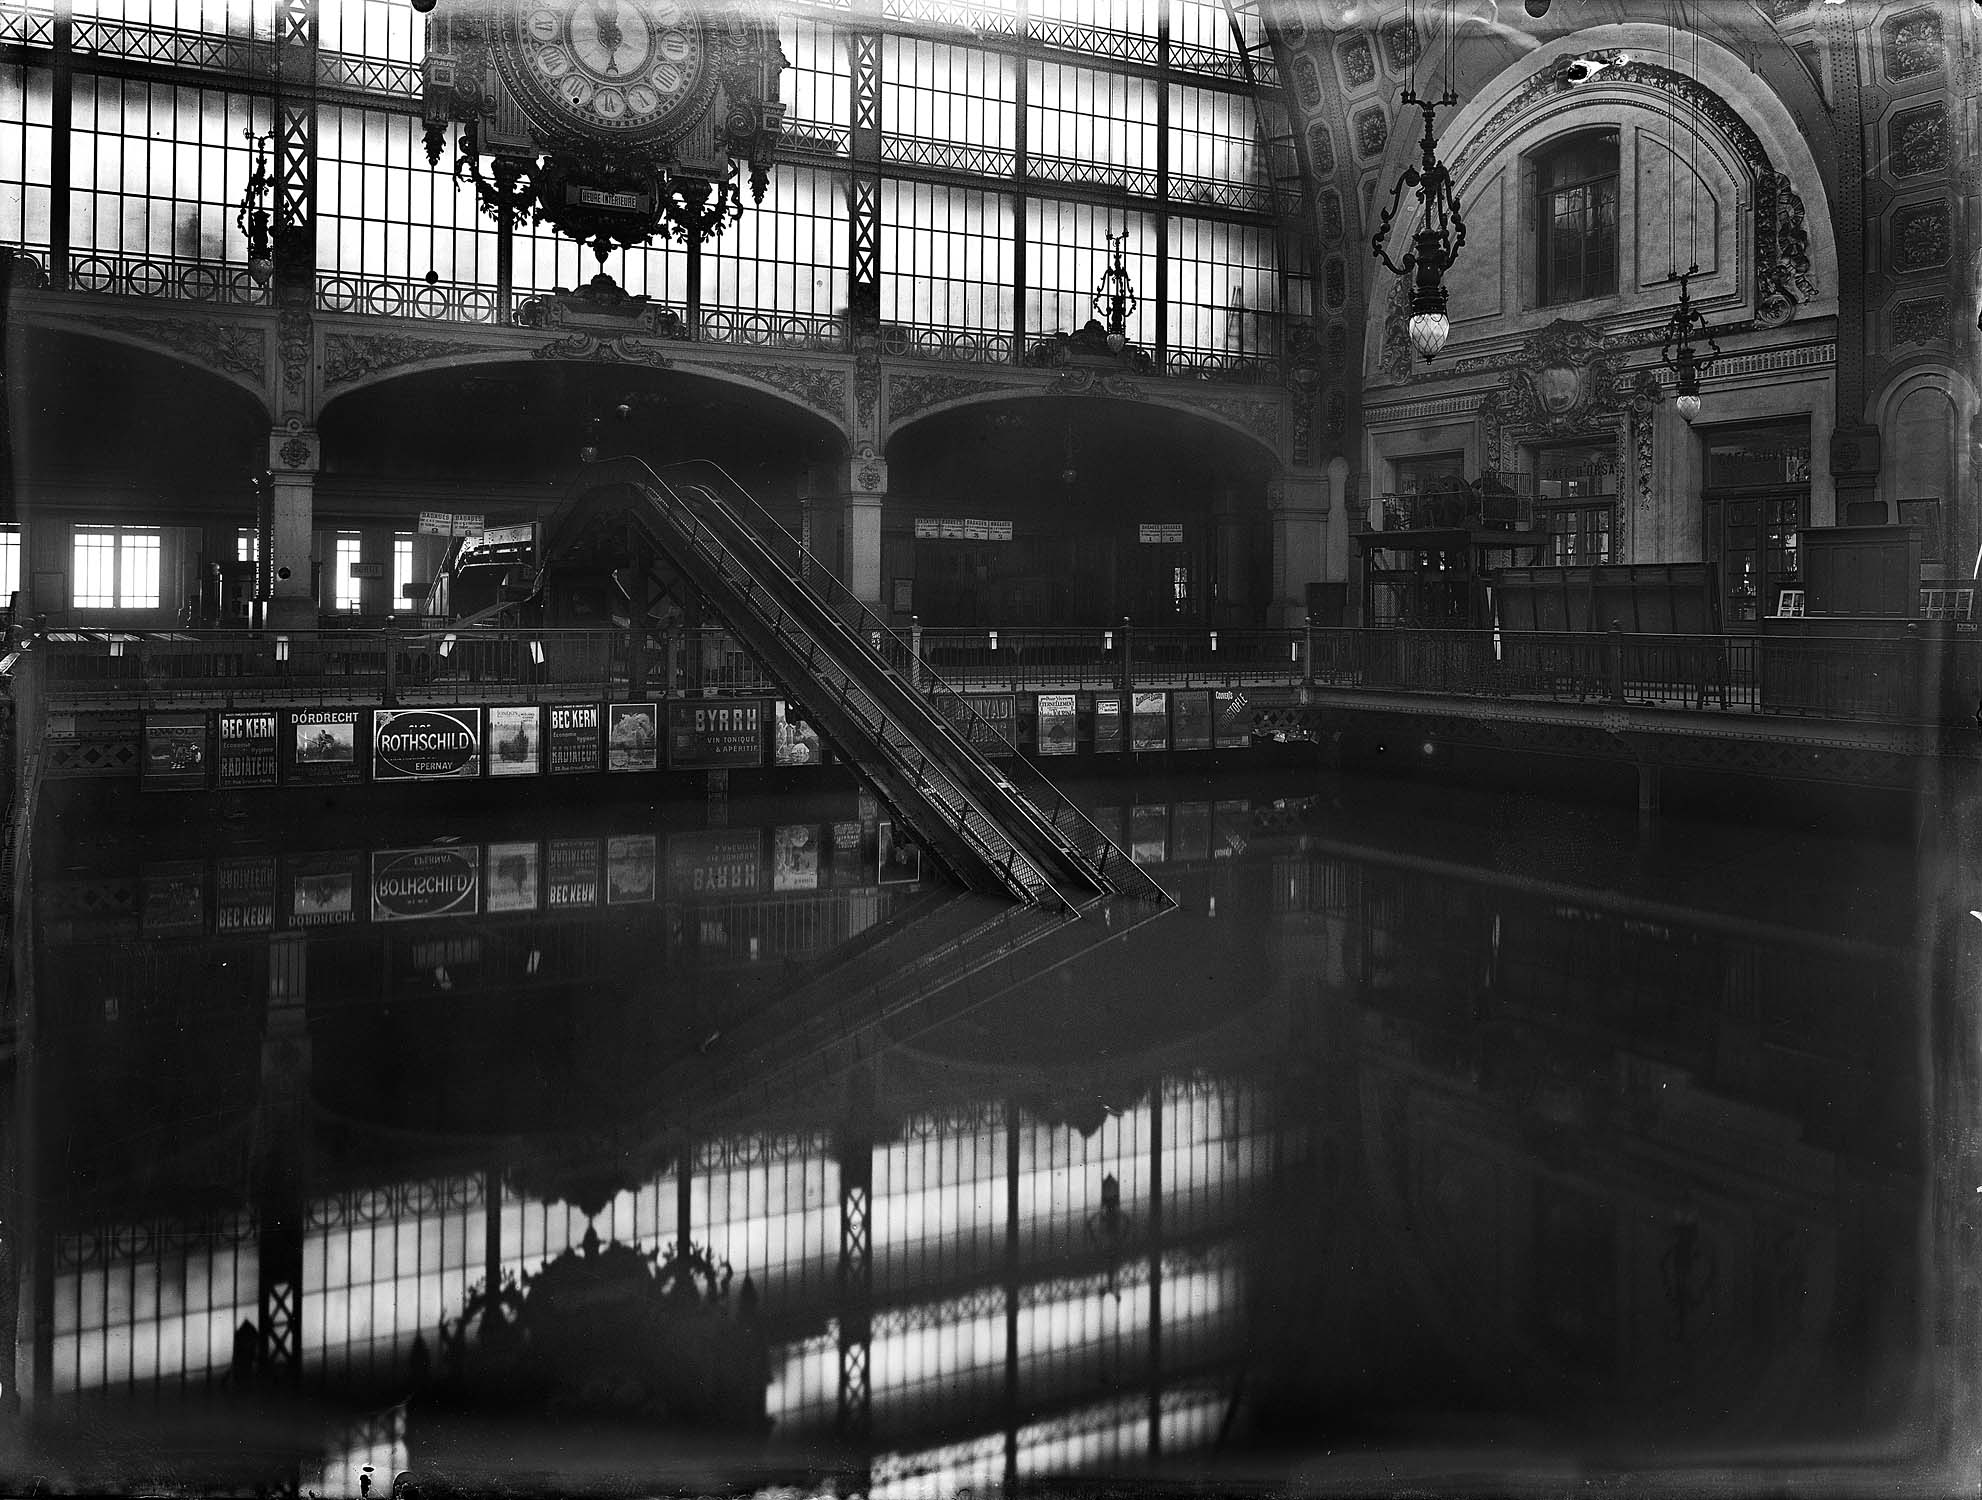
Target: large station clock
[(610, 120)]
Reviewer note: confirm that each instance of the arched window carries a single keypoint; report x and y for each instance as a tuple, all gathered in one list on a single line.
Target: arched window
[(1576, 218)]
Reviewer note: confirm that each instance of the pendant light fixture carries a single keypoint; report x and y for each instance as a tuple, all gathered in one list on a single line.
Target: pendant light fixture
[(1441, 228), (1676, 350)]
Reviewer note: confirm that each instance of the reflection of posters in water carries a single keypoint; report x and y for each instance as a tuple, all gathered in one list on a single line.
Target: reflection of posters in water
[(323, 889), (571, 872), (516, 741), (899, 861), (795, 858), (633, 741), (244, 893), (1231, 719), (573, 738), (175, 753), (247, 749), (426, 744), (710, 734), (1231, 829), (1058, 723), (630, 868), (1191, 831), (1190, 720), (323, 744), (715, 862), (1108, 724), (514, 880), (1149, 832), (1149, 726), (442, 880), (795, 742), (174, 899)]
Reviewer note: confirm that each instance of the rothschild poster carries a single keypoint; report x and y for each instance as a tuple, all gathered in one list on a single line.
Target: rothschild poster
[(516, 741), (323, 745), (633, 741), (426, 744), (436, 881), (175, 757), (1058, 723), (247, 749), (574, 738)]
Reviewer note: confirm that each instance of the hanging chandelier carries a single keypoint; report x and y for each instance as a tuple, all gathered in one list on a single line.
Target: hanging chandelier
[(1115, 299), (1676, 351), (254, 217), (1436, 242)]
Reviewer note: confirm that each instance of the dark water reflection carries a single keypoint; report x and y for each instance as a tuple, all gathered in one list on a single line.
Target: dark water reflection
[(1436, 1132)]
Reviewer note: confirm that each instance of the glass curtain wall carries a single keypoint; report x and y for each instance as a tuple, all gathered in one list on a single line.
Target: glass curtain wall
[(1013, 140)]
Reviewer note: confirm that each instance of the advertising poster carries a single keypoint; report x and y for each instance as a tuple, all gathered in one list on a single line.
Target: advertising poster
[(715, 862), (1108, 733), (574, 739), (898, 861), (244, 893), (793, 741), (1149, 726), (323, 888), (1059, 723), (1231, 828), (1190, 719), (1190, 830), (630, 868), (514, 880), (633, 741), (175, 753), (440, 880), (247, 749), (998, 732), (1231, 719), (844, 858), (516, 740), (795, 858), (716, 733), (426, 744), (323, 745), (1149, 832), (571, 873), (173, 899)]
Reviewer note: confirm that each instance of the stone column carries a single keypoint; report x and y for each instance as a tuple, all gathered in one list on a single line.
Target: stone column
[(287, 602), (1234, 560), (859, 490), (1298, 505)]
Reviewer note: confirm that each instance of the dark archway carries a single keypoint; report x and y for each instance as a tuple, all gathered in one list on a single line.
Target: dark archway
[(1115, 508)]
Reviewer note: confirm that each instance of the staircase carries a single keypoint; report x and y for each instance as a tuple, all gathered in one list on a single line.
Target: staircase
[(996, 829)]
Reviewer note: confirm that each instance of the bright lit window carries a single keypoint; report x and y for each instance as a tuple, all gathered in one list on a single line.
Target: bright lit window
[(402, 569), (247, 545), (346, 587), (117, 567), (10, 562)]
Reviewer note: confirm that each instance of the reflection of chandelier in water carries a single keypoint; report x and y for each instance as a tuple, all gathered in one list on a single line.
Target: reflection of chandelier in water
[(604, 1331)]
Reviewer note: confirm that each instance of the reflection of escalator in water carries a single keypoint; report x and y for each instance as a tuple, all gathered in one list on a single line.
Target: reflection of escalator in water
[(915, 740)]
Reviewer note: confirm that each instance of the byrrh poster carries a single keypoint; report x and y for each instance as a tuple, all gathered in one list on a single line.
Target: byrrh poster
[(516, 740)]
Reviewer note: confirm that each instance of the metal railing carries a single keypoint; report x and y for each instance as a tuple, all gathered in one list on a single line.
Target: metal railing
[(1117, 657)]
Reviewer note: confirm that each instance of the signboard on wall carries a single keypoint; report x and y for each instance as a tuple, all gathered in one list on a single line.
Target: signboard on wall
[(1190, 719), (571, 873), (514, 876), (1231, 719), (633, 741), (1149, 723), (1059, 723), (630, 868), (1166, 533), (1109, 737), (716, 733), (448, 523), (961, 529), (175, 752), (516, 740), (437, 881), (247, 749), (573, 740), (426, 744), (323, 745), (715, 862)]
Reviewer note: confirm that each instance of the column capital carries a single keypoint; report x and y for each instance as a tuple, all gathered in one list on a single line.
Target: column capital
[(294, 451)]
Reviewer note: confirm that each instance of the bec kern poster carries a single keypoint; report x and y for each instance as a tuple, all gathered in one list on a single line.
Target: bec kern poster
[(247, 749), (573, 742)]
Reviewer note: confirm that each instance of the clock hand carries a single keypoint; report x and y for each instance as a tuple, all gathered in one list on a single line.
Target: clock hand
[(606, 13)]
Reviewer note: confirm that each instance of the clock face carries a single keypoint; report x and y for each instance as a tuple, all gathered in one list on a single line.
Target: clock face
[(611, 67)]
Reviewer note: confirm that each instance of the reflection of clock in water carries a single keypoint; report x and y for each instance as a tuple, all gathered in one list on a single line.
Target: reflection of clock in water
[(616, 66)]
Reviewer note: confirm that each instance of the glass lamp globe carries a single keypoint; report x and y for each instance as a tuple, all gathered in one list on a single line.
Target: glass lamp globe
[(1115, 342), (1688, 403), (1429, 330)]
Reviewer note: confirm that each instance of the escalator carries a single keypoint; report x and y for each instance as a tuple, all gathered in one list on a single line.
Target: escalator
[(913, 738)]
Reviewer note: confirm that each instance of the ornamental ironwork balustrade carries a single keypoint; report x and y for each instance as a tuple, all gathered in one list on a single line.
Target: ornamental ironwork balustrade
[(1489, 503), (164, 276)]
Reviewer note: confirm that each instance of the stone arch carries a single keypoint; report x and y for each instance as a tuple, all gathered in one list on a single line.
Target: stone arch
[(1925, 415), (1244, 418), (239, 351)]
